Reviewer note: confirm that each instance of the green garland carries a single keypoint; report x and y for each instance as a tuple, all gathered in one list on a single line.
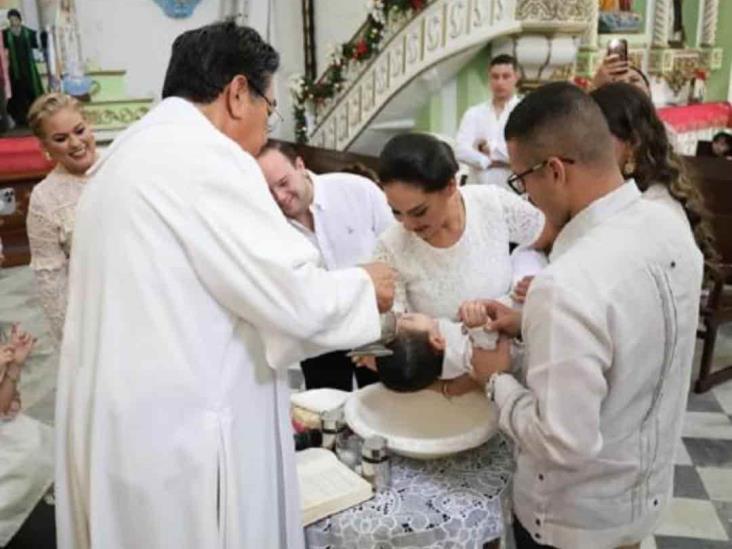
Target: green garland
[(362, 47)]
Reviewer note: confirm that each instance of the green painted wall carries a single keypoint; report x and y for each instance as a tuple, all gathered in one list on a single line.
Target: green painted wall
[(472, 88), (691, 21), (718, 85)]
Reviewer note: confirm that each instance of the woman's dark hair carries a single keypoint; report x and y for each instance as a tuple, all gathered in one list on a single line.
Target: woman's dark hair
[(414, 364), (14, 13), (205, 60), (640, 73), (418, 159), (633, 119)]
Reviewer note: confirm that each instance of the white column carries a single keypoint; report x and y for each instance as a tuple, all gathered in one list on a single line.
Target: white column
[(589, 38), (662, 19), (448, 96), (709, 23)]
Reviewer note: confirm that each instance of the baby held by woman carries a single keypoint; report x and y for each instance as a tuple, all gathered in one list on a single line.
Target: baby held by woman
[(428, 352)]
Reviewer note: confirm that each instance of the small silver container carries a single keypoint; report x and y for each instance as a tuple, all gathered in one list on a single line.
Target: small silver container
[(375, 464)]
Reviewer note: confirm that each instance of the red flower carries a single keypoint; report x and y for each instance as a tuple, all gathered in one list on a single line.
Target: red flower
[(417, 4), (582, 82), (361, 49), (700, 74)]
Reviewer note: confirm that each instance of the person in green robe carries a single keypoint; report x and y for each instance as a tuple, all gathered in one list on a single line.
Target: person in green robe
[(25, 83)]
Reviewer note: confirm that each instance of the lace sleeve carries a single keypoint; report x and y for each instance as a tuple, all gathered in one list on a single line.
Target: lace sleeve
[(52, 287), (49, 263), (44, 237), (381, 253), (525, 222)]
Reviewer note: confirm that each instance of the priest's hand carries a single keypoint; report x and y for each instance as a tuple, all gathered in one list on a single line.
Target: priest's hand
[(486, 363), (384, 280)]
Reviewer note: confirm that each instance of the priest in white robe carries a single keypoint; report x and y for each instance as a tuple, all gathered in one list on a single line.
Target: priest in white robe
[(189, 296)]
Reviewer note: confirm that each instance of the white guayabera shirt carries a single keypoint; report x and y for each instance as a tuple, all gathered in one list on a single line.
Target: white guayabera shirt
[(609, 330)]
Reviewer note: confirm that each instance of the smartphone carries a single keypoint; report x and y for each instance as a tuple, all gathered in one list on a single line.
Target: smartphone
[(7, 201), (619, 47)]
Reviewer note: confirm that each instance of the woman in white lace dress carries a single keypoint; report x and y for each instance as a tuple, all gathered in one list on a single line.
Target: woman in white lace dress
[(451, 243), (57, 121)]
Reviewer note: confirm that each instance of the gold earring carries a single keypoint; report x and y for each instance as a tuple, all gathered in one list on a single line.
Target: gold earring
[(629, 167), (47, 155)]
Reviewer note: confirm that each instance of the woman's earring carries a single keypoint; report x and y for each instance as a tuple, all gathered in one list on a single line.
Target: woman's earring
[(47, 155), (629, 167)]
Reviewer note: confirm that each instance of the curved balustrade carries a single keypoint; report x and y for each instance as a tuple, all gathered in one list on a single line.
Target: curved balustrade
[(441, 32)]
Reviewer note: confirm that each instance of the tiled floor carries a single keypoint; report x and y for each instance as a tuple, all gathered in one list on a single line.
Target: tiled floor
[(700, 516)]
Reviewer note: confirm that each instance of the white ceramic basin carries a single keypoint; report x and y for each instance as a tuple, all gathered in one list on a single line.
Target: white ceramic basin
[(422, 425)]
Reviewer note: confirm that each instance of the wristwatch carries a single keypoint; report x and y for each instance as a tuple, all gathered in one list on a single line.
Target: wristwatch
[(490, 386)]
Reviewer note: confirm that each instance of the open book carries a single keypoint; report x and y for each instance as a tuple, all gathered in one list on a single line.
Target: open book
[(326, 485)]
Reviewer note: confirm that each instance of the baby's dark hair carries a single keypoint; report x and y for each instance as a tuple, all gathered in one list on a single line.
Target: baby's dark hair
[(414, 364)]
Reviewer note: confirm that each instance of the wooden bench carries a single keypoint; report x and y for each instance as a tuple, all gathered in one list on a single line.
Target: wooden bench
[(713, 176)]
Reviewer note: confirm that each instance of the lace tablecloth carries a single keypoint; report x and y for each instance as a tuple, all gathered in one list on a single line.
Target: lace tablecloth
[(454, 502)]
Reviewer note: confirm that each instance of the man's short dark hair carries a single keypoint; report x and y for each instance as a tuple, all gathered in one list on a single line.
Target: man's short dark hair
[(204, 60), (14, 13), (560, 119), (283, 147), (414, 364), (504, 59)]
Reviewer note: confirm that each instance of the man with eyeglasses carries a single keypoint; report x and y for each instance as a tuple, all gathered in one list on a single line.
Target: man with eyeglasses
[(609, 330), (189, 297)]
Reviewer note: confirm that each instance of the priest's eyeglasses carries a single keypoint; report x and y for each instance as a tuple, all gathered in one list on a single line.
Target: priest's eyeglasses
[(273, 115), (516, 180)]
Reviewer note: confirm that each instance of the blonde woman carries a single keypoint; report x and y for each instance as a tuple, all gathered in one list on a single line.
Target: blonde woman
[(56, 119)]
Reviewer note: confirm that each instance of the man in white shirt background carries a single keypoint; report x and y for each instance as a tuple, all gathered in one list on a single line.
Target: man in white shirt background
[(342, 215), (479, 142), (609, 330)]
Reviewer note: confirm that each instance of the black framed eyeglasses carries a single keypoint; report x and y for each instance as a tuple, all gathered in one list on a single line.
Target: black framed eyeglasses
[(516, 180), (273, 115)]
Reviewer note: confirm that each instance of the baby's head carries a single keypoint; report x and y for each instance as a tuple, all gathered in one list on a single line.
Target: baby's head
[(417, 360)]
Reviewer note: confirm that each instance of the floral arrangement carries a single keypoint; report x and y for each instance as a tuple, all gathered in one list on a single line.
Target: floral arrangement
[(362, 47)]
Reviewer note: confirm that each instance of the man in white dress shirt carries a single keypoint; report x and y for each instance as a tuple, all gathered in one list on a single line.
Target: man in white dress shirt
[(189, 297), (480, 143), (609, 330), (342, 215)]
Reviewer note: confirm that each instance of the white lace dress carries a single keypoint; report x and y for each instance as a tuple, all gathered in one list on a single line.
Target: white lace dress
[(50, 225), (435, 281)]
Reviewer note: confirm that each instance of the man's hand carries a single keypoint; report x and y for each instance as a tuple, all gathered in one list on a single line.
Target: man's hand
[(483, 147), (521, 289), (384, 279), (610, 69), (501, 318), (368, 362), (486, 363), (473, 314), (459, 386)]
